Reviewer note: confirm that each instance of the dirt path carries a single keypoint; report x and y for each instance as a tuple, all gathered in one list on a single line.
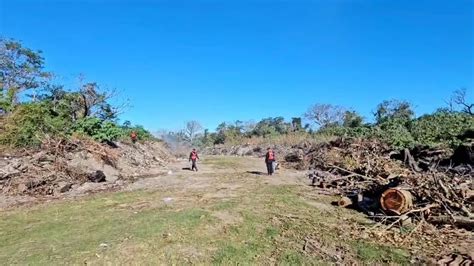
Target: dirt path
[(228, 212), (253, 169)]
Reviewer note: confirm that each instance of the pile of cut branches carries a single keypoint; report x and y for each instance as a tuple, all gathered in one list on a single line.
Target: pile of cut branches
[(422, 184)]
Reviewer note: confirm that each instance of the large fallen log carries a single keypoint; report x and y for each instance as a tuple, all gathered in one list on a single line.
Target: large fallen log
[(396, 200), (458, 221)]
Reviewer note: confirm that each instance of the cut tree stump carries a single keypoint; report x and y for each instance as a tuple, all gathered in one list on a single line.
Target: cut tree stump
[(344, 202), (396, 200)]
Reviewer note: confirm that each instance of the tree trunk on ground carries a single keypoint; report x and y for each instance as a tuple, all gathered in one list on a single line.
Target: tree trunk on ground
[(396, 200), (459, 221)]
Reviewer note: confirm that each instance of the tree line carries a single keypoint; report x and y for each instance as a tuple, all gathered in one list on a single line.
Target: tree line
[(34, 108), (394, 122)]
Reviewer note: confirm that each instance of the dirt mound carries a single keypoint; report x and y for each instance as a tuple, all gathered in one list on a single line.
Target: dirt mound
[(78, 166)]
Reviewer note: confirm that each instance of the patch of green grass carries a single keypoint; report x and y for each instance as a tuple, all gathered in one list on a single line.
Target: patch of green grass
[(371, 253), (295, 258), (246, 252), (285, 196), (69, 232), (271, 232), (224, 205), (226, 254)]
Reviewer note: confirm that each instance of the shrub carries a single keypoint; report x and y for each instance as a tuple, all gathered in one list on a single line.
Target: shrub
[(441, 128), (395, 132), (30, 123), (101, 131), (353, 132), (142, 133)]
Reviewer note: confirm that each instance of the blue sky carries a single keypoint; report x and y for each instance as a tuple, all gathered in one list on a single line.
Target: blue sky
[(216, 61)]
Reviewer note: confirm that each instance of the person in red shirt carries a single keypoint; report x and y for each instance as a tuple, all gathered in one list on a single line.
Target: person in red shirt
[(134, 136), (193, 157), (270, 161)]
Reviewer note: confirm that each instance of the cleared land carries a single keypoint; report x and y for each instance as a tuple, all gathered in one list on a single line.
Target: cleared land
[(224, 214)]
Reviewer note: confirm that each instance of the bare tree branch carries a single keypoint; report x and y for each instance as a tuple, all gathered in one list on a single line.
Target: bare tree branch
[(460, 98), (192, 129), (326, 114)]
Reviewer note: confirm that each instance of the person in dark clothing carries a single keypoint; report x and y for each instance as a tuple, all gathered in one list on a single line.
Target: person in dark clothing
[(193, 157), (270, 161)]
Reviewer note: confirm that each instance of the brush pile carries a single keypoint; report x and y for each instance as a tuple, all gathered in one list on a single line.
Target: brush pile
[(62, 166), (427, 184)]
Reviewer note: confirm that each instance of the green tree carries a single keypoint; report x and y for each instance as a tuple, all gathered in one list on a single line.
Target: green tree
[(21, 70), (394, 109), (296, 124), (271, 126), (352, 119)]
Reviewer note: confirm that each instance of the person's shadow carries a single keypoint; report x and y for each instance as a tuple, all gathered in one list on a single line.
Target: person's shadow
[(187, 168), (256, 173)]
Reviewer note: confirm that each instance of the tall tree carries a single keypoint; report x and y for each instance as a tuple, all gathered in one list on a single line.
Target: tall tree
[(394, 109), (21, 70), (326, 115), (459, 98), (192, 129), (352, 119), (296, 123)]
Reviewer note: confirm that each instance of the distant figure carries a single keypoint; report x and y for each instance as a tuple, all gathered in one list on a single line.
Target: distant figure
[(193, 157), (133, 137), (270, 161)]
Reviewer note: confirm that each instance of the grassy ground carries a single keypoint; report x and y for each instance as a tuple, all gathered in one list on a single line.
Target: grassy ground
[(234, 218)]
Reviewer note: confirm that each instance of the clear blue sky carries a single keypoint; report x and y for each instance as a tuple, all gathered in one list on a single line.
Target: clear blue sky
[(224, 60)]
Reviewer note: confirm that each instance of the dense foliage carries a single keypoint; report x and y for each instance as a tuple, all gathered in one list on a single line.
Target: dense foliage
[(33, 109), (394, 123)]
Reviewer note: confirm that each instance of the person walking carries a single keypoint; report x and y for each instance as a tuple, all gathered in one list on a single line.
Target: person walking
[(270, 161), (193, 157)]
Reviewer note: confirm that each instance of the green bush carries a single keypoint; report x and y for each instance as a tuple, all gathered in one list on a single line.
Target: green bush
[(395, 132), (142, 133), (30, 123), (99, 130), (341, 131), (441, 128)]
